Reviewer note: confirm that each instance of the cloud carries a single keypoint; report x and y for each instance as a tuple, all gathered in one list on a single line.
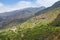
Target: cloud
[(17, 6), (1, 4), (46, 3), (25, 4)]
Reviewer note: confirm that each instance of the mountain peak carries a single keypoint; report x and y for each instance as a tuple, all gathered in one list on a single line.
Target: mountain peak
[(57, 4)]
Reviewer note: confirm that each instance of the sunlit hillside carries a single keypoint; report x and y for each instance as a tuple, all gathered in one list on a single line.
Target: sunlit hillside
[(44, 25)]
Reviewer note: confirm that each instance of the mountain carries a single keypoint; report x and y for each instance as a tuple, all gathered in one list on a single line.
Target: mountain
[(28, 10), (38, 27), (57, 4), (18, 15), (45, 25), (44, 17)]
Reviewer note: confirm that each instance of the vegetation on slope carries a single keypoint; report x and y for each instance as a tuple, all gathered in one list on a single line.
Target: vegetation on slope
[(41, 27), (37, 28)]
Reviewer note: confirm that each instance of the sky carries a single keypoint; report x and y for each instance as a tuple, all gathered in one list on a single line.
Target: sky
[(11, 5)]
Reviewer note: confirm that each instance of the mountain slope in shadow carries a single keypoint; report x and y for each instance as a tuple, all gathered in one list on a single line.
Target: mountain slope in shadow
[(18, 16)]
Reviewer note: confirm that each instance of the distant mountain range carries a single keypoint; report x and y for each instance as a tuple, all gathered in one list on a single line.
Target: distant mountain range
[(18, 15)]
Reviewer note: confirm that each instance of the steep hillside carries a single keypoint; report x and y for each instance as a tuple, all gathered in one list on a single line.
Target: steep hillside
[(43, 19), (18, 16), (39, 27), (56, 22)]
